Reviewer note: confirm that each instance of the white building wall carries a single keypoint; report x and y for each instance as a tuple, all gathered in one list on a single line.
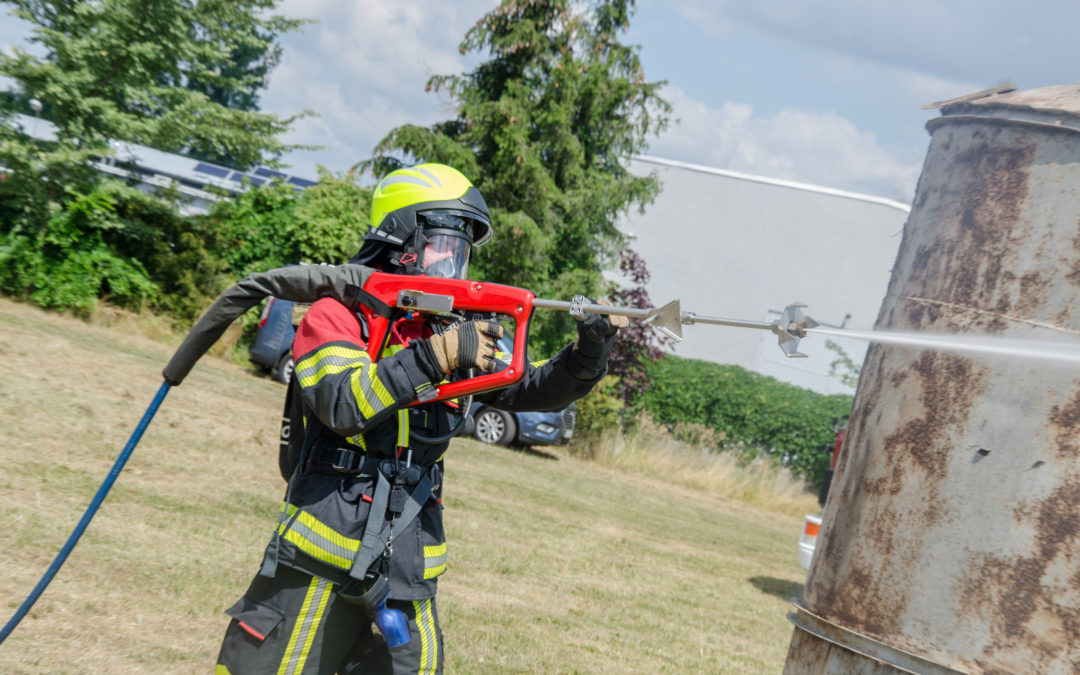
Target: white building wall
[(736, 246)]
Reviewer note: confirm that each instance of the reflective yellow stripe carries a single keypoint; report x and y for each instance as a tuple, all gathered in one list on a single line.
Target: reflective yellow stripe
[(328, 369), (328, 533), (314, 630), (429, 643), (369, 391), (380, 389), (357, 385), (432, 572), (403, 428), (341, 351), (367, 375), (345, 547), (434, 560), (221, 670), (307, 625), (338, 359), (316, 551), (358, 439)]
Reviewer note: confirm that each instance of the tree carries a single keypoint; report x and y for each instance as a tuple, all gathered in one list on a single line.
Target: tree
[(120, 69), (636, 345), (238, 76), (274, 225), (544, 128)]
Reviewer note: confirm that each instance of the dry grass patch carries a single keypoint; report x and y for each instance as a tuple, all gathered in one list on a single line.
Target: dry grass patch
[(653, 449)]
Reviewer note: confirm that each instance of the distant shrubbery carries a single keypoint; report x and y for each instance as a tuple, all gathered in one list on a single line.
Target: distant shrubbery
[(751, 413), (137, 251)]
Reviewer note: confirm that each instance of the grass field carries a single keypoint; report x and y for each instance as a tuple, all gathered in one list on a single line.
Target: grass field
[(557, 564)]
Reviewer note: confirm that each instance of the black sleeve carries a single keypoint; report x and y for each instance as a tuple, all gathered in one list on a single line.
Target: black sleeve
[(551, 385)]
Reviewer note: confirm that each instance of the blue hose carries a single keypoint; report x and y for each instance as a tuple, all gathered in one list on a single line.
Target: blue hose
[(118, 466)]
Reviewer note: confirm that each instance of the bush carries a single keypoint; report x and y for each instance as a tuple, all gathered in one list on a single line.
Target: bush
[(67, 261), (754, 413), (274, 225), (598, 411)]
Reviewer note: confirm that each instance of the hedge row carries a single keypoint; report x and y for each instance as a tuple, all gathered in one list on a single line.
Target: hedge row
[(755, 413)]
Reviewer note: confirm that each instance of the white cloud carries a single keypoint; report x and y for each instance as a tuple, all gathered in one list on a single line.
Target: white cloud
[(820, 148), (364, 67), (987, 41)]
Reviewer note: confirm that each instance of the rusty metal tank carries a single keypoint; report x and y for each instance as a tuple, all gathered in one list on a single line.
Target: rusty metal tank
[(951, 538)]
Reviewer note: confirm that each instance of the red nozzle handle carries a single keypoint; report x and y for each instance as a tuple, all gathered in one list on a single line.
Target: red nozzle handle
[(475, 296)]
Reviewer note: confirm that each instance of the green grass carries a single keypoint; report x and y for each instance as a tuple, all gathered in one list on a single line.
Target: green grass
[(558, 564)]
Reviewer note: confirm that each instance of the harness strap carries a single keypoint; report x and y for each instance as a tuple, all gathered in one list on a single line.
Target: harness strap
[(376, 538), (377, 531), (372, 544), (358, 296)]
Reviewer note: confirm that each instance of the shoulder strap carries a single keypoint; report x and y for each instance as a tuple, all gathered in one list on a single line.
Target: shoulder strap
[(355, 295)]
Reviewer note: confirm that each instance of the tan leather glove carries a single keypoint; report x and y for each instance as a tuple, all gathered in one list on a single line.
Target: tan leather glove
[(470, 344)]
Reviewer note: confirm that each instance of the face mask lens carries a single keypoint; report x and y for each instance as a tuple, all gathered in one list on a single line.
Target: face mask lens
[(446, 256)]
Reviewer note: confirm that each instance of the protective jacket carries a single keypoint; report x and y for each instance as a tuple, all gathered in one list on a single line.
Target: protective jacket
[(354, 408)]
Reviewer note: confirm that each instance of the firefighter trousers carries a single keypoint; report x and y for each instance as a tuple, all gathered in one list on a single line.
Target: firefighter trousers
[(298, 624)]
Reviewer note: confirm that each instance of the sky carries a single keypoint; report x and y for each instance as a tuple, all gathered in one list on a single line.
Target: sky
[(827, 93)]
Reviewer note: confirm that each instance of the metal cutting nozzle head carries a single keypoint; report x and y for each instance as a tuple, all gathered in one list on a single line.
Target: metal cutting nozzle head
[(791, 327)]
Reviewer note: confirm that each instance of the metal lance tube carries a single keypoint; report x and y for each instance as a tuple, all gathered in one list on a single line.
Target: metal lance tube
[(950, 541), (670, 319), (592, 308), (689, 319)]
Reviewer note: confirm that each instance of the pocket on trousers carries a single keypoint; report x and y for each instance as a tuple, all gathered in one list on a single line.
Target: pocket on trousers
[(255, 618)]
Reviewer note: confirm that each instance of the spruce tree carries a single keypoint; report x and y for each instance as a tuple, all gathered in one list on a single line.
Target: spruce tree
[(544, 128)]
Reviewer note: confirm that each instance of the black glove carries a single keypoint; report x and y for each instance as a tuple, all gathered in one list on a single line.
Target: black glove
[(596, 333), (596, 336)]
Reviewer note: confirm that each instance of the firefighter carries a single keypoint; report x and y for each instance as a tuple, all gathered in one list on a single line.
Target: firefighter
[(360, 535)]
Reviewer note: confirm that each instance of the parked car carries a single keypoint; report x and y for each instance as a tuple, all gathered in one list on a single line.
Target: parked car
[(808, 539), (272, 350), (499, 427)]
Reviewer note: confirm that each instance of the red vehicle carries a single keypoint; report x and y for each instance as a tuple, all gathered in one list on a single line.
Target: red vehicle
[(812, 522)]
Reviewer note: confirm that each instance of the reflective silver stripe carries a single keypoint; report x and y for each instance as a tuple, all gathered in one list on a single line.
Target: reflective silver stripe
[(403, 428), (365, 376), (429, 175), (392, 180), (309, 621), (435, 561), (425, 621), (320, 542), (327, 360)]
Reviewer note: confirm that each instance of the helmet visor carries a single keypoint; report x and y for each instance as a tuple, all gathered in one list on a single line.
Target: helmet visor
[(477, 229), (445, 255)]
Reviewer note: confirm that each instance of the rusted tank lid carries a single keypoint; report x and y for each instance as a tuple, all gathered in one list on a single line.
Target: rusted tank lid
[(1057, 106)]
